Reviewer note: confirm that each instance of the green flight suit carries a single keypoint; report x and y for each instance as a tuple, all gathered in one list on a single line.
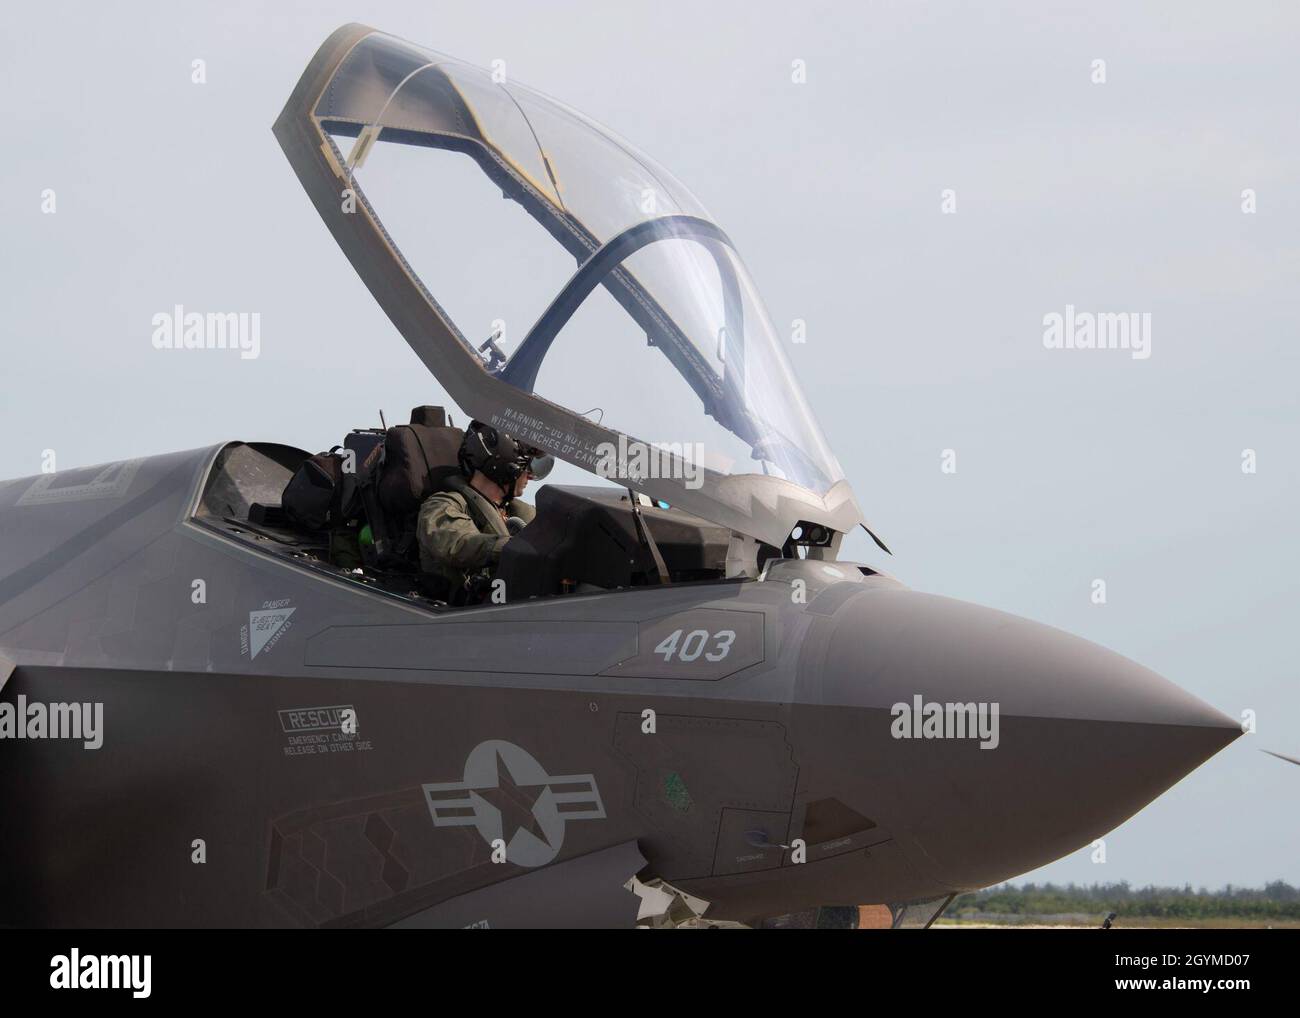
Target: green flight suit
[(461, 533)]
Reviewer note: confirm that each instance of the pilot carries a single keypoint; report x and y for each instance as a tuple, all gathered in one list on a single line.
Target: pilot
[(463, 526)]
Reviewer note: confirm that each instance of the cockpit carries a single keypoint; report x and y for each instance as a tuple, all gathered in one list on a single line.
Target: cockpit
[(584, 538), (597, 312)]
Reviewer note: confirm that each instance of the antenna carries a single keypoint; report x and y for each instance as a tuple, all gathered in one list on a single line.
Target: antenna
[(382, 421)]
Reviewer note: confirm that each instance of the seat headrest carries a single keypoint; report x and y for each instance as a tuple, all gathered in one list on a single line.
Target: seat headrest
[(412, 452), (429, 416)]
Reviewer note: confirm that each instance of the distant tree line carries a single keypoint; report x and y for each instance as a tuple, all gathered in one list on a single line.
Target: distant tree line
[(1276, 900)]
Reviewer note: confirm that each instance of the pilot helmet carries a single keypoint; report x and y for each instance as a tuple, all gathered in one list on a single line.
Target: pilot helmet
[(501, 459)]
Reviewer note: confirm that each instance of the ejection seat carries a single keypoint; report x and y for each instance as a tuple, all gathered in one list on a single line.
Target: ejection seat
[(414, 454)]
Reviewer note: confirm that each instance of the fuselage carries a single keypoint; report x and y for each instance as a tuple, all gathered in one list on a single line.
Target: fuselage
[(280, 746)]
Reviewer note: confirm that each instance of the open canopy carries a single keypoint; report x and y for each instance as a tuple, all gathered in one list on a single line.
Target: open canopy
[(642, 353)]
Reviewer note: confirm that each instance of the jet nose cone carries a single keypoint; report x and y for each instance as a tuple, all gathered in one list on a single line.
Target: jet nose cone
[(1070, 739)]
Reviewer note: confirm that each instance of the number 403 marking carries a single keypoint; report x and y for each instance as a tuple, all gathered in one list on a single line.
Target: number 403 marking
[(694, 643)]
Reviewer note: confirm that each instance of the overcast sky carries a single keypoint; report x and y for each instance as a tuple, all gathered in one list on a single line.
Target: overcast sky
[(925, 329)]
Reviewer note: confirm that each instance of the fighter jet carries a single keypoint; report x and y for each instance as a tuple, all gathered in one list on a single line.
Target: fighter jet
[(677, 704)]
